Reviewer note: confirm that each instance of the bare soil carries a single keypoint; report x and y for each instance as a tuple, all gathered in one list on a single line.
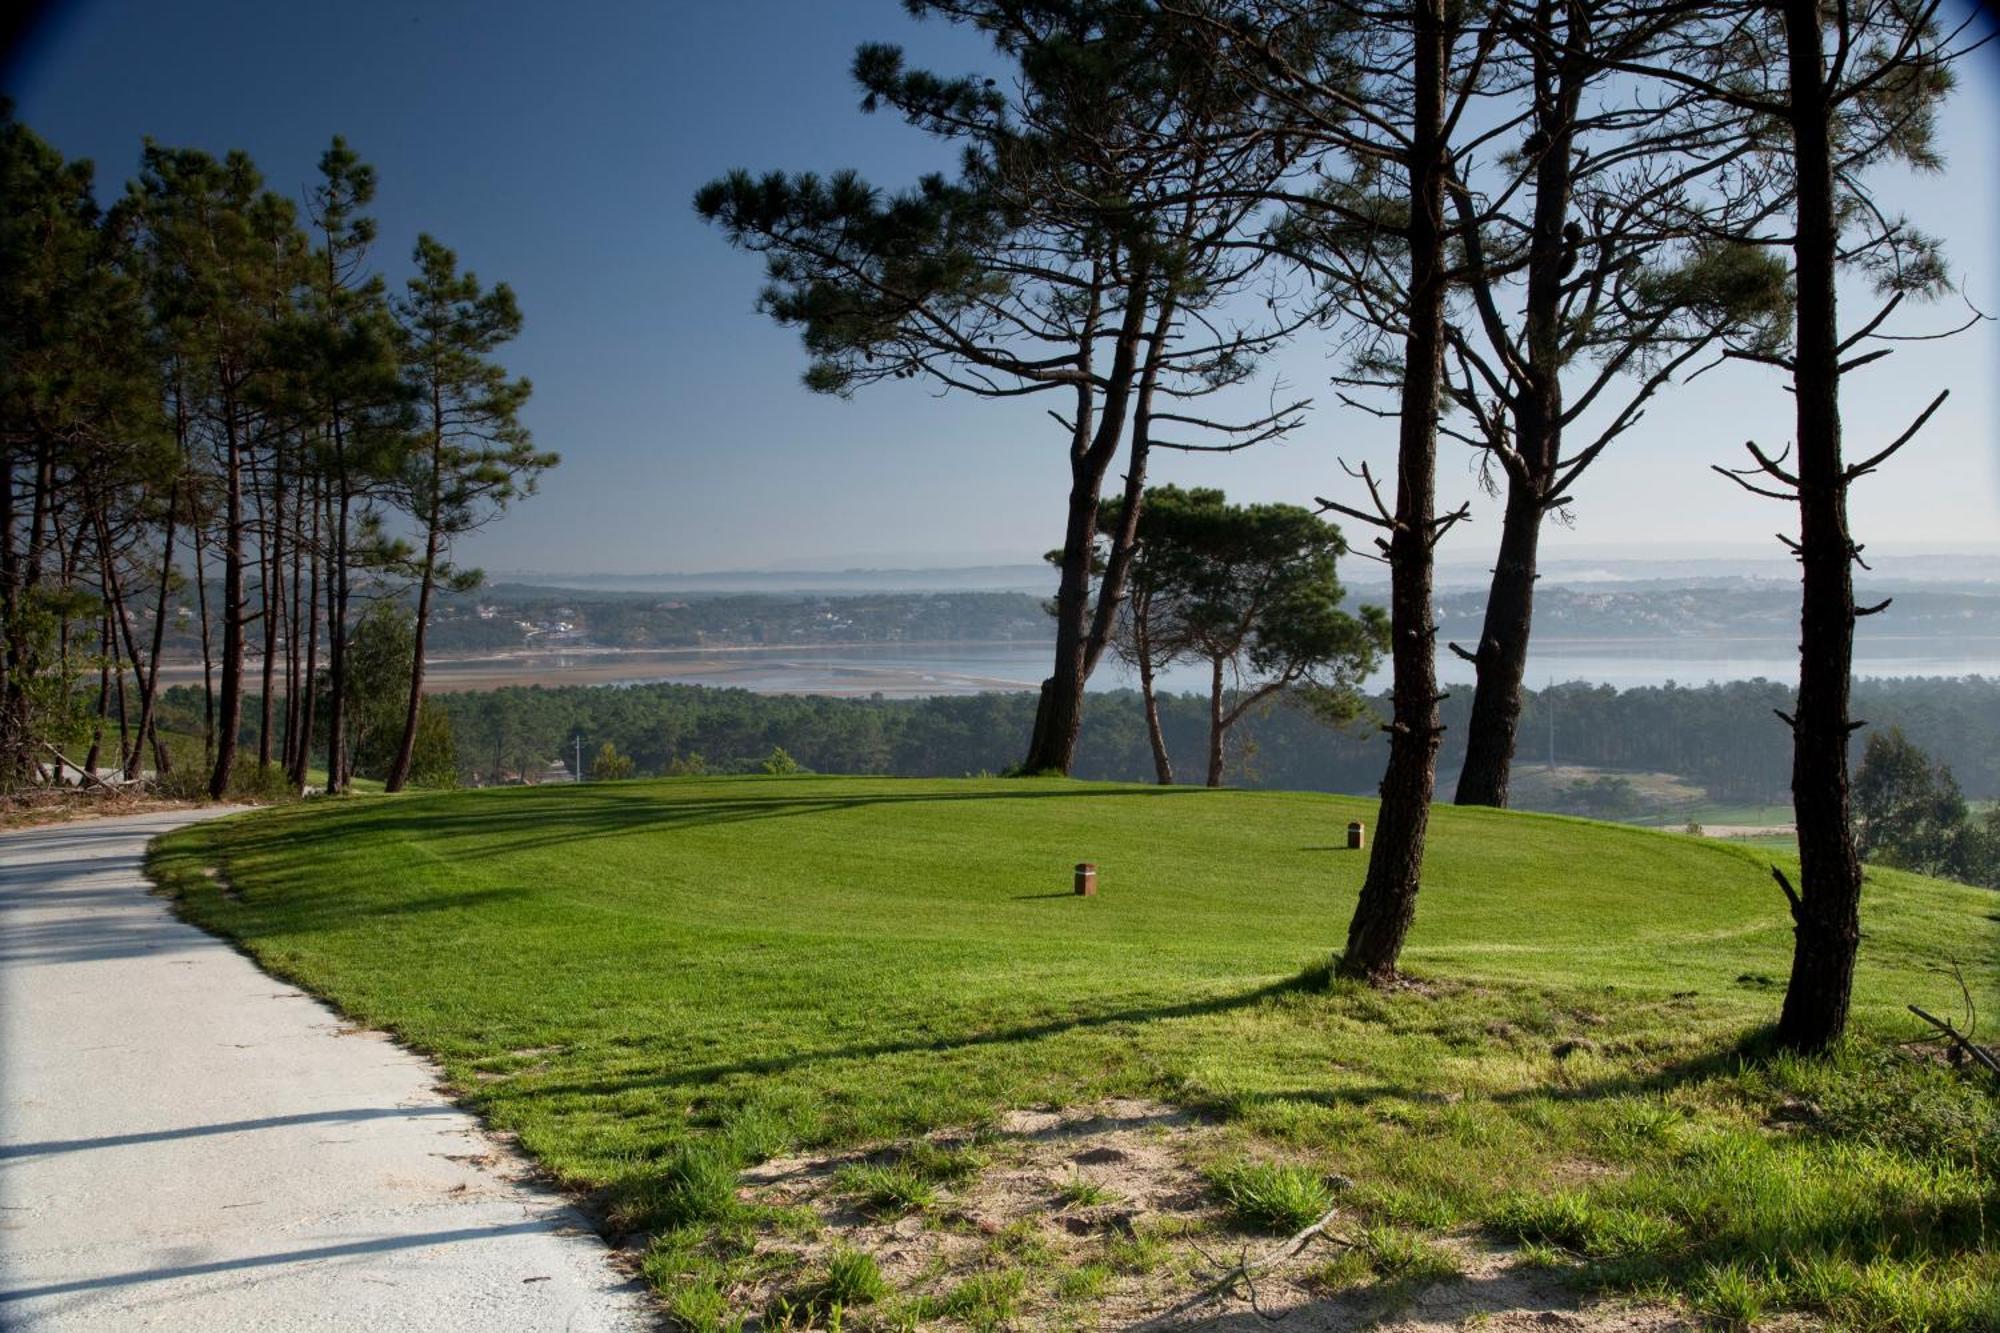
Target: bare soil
[(1157, 1236)]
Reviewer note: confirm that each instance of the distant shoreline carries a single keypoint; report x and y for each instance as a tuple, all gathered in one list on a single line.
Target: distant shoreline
[(555, 668), (931, 667)]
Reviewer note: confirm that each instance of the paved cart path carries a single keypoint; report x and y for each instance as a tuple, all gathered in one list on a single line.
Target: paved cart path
[(186, 1143)]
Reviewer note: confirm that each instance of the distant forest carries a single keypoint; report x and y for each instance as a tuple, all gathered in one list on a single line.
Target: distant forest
[(1722, 737)]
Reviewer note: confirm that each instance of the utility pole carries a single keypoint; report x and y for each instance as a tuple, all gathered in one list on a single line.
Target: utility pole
[(578, 738), (1549, 696)]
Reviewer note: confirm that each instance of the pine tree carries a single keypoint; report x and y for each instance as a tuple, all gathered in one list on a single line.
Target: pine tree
[(1852, 83), (1101, 218), (472, 455)]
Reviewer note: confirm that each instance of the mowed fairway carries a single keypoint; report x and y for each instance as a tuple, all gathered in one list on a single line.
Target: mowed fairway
[(624, 973)]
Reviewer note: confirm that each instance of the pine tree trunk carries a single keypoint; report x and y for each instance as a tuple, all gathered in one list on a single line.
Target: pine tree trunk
[(15, 760), (229, 722), (1059, 715), (147, 727), (406, 748), (293, 632), (271, 600), (207, 652), (128, 749), (1501, 661), (90, 756), (1163, 764), (1216, 726), (1828, 910), (336, 634), (131, 745), (1388, 901), (1059, 718), (1502, 658), (309, 692)]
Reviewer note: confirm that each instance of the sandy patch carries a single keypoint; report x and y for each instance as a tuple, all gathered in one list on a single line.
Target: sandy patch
[(1146, 1246)]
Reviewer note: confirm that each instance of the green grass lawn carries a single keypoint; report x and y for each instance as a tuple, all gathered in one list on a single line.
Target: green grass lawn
[(653, 983)]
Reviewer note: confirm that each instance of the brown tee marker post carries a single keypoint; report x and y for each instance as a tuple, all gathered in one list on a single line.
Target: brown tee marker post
[(1086, 879), (1356, 835)]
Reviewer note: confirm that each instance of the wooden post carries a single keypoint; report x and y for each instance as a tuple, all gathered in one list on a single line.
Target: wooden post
[(1356, 835), (1086, 879)]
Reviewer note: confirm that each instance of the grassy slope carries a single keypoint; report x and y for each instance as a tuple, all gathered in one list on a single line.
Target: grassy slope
[(619, 971)]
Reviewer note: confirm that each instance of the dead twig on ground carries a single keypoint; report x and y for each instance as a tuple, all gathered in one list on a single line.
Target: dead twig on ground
[(1959, 1041), (1244, 1273)]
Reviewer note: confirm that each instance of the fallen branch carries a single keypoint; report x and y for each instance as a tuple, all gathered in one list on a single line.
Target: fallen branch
[(1960, 1041), (83, 774), (1243, 1272)]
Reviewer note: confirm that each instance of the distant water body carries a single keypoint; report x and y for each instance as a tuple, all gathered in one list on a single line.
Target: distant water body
[(905, 671)]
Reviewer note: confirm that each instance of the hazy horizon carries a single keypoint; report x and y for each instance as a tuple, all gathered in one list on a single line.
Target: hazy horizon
[(1752, 561)]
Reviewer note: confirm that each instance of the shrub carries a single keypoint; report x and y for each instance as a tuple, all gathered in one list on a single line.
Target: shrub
[(186, 783), (609, 765), (249, 782)]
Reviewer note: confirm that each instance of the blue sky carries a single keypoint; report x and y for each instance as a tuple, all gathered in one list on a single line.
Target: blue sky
[(557, 147)]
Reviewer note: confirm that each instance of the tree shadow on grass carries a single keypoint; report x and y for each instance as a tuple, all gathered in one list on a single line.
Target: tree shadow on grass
[(698, 1075), (508, 821), (1753, 1047)]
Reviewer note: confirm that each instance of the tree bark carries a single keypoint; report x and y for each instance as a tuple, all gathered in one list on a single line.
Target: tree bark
[(271, 598), (90, 757), (309, 692), (1163, 764), (1501, 661), (1827, 908), (294, 608), (1059, 717), (230, 706), (130, 756), (162, 762), (336, 628), (16, 761), (201, 611), (1388, 901), (406, 748), (128, 749), (1216, 726)]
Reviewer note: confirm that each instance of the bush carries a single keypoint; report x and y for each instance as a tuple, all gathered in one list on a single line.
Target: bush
[(434, 761), (249, 782), (186, 783), (609, 765)]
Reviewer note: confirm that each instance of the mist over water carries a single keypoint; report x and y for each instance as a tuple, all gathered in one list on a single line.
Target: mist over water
[(913, 670)]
